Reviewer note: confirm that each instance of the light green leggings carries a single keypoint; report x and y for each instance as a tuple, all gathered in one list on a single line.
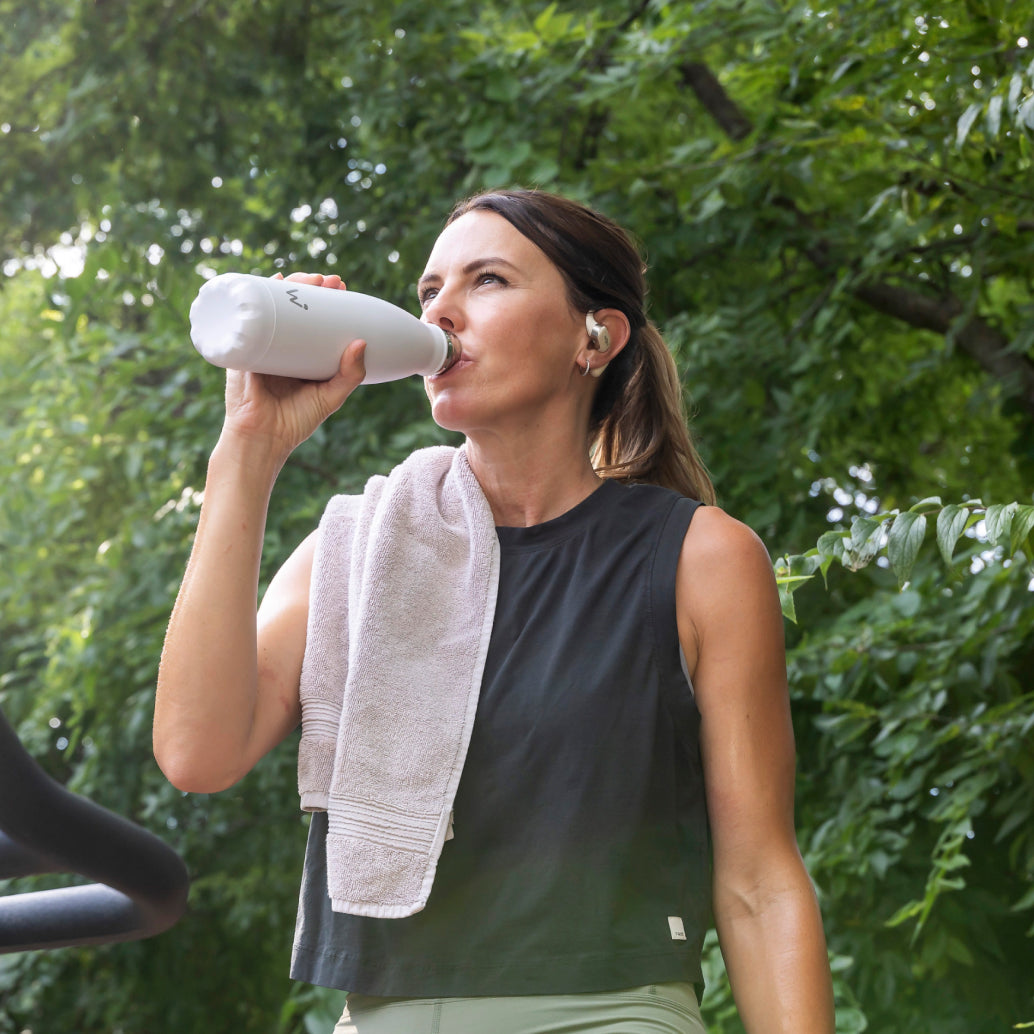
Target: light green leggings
[(651, 1009)]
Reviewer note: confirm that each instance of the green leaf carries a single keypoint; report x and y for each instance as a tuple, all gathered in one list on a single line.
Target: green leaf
[(951, 522), (786, 602), (712, 203), (831, 546), (994, 115), (843, 67), (965, 123), (1025, 112), (864, 544), (851, 1020), (927, 505), (503, 88), (903, 542), (541, 23), (791, 573), (477, 135), (906, 912), (1019, 539), (958, 951), (998, 522), (879, 201), (1025, 902)]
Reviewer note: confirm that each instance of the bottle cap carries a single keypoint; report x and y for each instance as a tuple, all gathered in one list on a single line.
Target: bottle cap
[(232, 320), (452, 351)]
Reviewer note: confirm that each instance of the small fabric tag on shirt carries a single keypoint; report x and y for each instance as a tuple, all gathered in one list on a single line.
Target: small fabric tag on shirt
[(678, 931)]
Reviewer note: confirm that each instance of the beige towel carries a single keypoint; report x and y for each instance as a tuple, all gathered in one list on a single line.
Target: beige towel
[(403, 596)]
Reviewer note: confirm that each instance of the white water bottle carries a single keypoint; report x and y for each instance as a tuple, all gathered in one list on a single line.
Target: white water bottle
[(245, 322)]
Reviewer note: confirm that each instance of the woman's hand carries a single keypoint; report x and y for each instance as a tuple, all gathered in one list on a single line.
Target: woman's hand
[(277, 414)]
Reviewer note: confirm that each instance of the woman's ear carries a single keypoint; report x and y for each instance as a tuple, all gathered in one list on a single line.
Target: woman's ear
[(608, 330)]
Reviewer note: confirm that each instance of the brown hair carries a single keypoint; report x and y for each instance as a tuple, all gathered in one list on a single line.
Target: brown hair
[(637, 428)]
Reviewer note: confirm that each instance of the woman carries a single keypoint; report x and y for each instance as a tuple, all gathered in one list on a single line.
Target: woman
[(631, 762)]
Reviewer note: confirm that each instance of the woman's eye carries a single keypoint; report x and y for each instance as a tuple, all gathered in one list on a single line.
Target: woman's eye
[(428, 294)]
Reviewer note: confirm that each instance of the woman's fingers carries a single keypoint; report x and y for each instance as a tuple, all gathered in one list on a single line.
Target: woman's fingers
[(352, 367), (316, 279)]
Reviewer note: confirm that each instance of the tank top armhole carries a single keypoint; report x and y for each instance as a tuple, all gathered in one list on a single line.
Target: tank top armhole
[(663, 620)]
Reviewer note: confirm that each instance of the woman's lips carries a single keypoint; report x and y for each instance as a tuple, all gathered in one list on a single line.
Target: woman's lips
[(460, 363)]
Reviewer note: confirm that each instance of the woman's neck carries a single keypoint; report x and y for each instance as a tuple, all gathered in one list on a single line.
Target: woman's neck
[(530, 482)]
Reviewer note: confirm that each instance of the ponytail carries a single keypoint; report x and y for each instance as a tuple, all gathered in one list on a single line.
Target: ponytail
[(638, 431)]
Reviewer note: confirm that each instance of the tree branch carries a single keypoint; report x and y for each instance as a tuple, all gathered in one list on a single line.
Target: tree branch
[(597, 61), (718, 104), (589, 142), (985, 344), (976, 337)]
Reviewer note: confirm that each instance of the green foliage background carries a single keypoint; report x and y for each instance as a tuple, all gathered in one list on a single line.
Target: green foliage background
[(837, 204)]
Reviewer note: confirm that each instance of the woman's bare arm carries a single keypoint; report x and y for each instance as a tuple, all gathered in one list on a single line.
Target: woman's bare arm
[(765, 908), (228, 680)]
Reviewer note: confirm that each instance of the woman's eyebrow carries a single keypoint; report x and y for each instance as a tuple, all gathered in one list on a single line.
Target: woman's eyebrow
[(470, 267)]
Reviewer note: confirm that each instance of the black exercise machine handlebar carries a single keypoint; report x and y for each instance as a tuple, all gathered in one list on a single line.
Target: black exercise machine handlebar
[(140, 886)]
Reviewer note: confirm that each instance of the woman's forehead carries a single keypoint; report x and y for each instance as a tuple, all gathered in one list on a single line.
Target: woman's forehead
[(481, 234)]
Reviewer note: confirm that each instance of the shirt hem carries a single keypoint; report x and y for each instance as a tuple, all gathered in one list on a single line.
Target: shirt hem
[(613, 973)]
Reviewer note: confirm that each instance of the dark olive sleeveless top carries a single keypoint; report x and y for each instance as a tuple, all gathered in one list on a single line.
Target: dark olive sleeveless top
[(580, 860)]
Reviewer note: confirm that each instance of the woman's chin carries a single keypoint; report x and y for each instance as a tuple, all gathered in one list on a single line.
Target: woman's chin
[(449, 416)]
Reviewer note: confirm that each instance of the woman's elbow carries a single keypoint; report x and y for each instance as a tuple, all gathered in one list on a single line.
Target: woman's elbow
[(189, 774)]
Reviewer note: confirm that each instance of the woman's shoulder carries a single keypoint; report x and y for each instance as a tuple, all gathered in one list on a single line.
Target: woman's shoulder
[(714, 529), (720, 549), (725, 589)]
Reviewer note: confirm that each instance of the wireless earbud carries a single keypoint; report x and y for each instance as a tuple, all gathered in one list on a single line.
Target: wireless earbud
[(598, 333)]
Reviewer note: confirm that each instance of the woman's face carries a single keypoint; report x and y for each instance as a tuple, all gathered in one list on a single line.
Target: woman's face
[(507, 306)]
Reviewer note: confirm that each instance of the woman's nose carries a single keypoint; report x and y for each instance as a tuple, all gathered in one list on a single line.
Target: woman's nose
[(443, 311)]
